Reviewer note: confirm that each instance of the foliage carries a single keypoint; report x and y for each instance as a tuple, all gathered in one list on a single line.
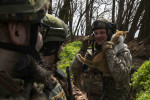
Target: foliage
[(141, 81), (144, 95), (68, 54)]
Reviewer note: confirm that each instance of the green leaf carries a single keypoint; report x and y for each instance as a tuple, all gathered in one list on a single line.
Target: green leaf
[(68, 54)]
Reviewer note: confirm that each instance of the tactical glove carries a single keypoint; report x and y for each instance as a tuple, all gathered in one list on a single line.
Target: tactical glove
[(107, 45), (87, 40)]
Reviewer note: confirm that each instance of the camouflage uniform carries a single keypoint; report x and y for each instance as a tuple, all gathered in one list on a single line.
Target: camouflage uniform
[(57, 33), (54, 89), (91, 80), (17, 89), (20, 11), (9, 87)]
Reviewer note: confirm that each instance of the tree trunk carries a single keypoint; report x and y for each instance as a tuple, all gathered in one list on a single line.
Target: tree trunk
[(145, 28), (50, 7), (113, 11), (120, 13), (88, 24), (71, 21), (134, 25), (70, 29), (129, 14), (64, 11)]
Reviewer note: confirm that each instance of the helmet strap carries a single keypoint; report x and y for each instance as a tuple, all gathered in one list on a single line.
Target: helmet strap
[(93, 46), (56, 55), (96, 46), (33, 34), (51, 48), (33, 41)]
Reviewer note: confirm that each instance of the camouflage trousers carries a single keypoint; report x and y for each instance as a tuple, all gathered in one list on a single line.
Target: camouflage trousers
[(116, 95), (110, 95), (93, 96)]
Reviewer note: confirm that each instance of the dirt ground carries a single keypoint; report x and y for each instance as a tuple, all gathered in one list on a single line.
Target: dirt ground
[(139, 51)]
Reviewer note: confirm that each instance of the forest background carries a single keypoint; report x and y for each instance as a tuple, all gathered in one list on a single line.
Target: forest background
[(130, 15)]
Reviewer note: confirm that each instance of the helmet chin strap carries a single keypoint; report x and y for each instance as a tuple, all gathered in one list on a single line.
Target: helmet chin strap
[(51, 48), (56, 55), (33, 41)]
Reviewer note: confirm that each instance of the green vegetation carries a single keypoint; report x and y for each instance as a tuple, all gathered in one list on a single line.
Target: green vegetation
[(141, 81), (68, 54)]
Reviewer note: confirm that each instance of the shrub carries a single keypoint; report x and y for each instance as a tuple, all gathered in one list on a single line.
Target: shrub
[(141, 81), (68, 54)]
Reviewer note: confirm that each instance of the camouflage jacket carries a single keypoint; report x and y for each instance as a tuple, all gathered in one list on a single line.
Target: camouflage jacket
[(61, 88), (91, 80), (17, 89), (55, 88)]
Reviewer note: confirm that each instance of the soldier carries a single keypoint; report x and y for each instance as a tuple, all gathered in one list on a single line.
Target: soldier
[(53, 43), (20, 41), (91, 80)]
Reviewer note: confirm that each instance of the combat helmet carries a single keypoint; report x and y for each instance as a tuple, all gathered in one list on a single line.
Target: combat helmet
[(23, 10), (58, 30), (54, 36), (102, 23), (30, 11)]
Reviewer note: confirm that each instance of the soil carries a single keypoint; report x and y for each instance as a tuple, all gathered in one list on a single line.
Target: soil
[(139, 51)]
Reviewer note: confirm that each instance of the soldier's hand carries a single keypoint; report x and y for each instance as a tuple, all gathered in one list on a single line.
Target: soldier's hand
[(107, 45), (87, 40)]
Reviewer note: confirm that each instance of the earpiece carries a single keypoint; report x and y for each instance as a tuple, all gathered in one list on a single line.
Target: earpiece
[(92, 34)]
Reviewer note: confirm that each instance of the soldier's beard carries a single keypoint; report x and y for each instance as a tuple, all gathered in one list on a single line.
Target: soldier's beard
[(27, 69)]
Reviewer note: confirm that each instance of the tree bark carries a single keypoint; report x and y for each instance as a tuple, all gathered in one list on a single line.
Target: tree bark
[(134, 25), (113, 11), (145, 28), (71, 21), (128, 14), (50, 7), (64, 11), (88, 20), (120, 13)]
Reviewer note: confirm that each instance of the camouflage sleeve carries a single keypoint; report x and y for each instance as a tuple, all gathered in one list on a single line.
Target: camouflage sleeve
[(76, 65), (77, 70), (120, 64)]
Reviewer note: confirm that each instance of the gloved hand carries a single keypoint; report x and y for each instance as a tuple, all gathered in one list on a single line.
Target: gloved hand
[(107, 45), (87, 40)]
